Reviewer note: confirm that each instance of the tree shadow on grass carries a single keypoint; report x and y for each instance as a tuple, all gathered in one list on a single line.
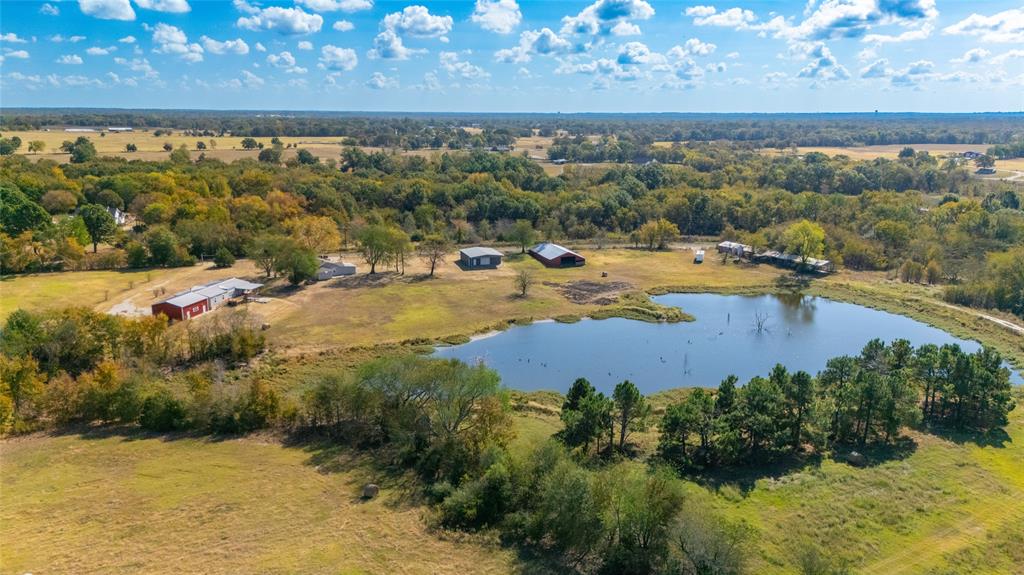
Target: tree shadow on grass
[(875, 454), (362, 466), (744, 478), (995, 437), (739, 481), (135, 433)]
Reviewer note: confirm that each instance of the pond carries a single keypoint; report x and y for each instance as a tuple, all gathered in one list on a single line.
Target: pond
[(800, 332)]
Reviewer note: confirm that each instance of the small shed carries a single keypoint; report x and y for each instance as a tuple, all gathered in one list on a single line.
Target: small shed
[(183, 306), (329, 269), (556, 256), (477, 257)]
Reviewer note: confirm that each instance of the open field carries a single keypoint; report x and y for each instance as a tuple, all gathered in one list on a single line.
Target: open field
[(145, 504), (150, 147), (104, 290), (884, 151), (100, 502)]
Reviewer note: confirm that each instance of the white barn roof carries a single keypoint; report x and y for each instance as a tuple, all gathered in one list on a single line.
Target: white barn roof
[(551, 251), (478, 251)]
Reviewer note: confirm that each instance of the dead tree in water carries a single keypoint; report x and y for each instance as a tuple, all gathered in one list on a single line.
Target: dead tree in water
[(760, 322)]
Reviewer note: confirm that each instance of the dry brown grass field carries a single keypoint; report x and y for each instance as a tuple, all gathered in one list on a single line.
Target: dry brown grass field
[(150, 147), (887, 151)]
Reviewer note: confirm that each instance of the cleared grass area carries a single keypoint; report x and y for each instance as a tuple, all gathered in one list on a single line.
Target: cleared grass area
[(107, 290), (365, 310), (145, 504), (923, 509)]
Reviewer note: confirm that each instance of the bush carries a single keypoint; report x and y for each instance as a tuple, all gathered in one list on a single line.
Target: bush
[(136, 254), (163, 412), (224, 258)]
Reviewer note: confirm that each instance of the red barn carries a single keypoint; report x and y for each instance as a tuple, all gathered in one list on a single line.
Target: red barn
[(183, 306), (555, 256)]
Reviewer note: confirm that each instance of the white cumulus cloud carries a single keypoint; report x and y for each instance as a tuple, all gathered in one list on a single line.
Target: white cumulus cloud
[(343, 26), (606, 17), (171, 6), (100, 51), (72, 59), (379, 81), (457, 67), (1005, 26), (172, 40), (335, 58), (236, 46), (336, 5), (107, 9), (419, 22), (281, 20), (543, 42), (501, 16)]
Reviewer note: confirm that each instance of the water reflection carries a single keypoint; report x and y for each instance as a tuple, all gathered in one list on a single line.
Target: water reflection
[(741, 335)]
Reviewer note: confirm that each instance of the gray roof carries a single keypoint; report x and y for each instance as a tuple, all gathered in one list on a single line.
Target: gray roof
[(337, 265), (235, 283), (551, 251), (185, 299), (478, 251), (211, 291)]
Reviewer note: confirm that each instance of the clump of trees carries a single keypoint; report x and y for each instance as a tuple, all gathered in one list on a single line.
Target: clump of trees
[(438, 415), (1000, 284), (853, 401), (383, 244)]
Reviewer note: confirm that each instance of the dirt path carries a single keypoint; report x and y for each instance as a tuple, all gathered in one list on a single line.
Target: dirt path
[(998, 320)]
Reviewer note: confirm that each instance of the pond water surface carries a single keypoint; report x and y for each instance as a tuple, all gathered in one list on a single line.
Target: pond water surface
[(799, 332)]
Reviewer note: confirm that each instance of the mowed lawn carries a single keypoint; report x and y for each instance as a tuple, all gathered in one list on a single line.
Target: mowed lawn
[(146, 504)]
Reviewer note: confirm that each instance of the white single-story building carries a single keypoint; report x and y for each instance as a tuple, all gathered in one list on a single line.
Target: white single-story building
[(330, 269)]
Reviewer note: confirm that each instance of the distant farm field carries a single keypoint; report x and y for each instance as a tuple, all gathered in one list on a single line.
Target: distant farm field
[(150, 147), (887, 151)]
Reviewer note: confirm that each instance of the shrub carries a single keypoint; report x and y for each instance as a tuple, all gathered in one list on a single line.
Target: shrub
[(163, 412), (224, 258)]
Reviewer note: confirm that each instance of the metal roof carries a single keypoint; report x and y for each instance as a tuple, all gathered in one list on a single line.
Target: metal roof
[(186, 299), (551, 251), (235, 283), (479, 251), (336, 265)]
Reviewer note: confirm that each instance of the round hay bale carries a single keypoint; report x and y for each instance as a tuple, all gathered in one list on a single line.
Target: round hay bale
[(856, 458), (370, 490)]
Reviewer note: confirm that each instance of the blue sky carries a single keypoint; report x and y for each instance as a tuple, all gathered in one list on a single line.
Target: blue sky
[(516, 55)]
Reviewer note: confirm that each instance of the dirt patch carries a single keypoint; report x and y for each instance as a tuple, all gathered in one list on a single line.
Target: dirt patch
[(590, 292)]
